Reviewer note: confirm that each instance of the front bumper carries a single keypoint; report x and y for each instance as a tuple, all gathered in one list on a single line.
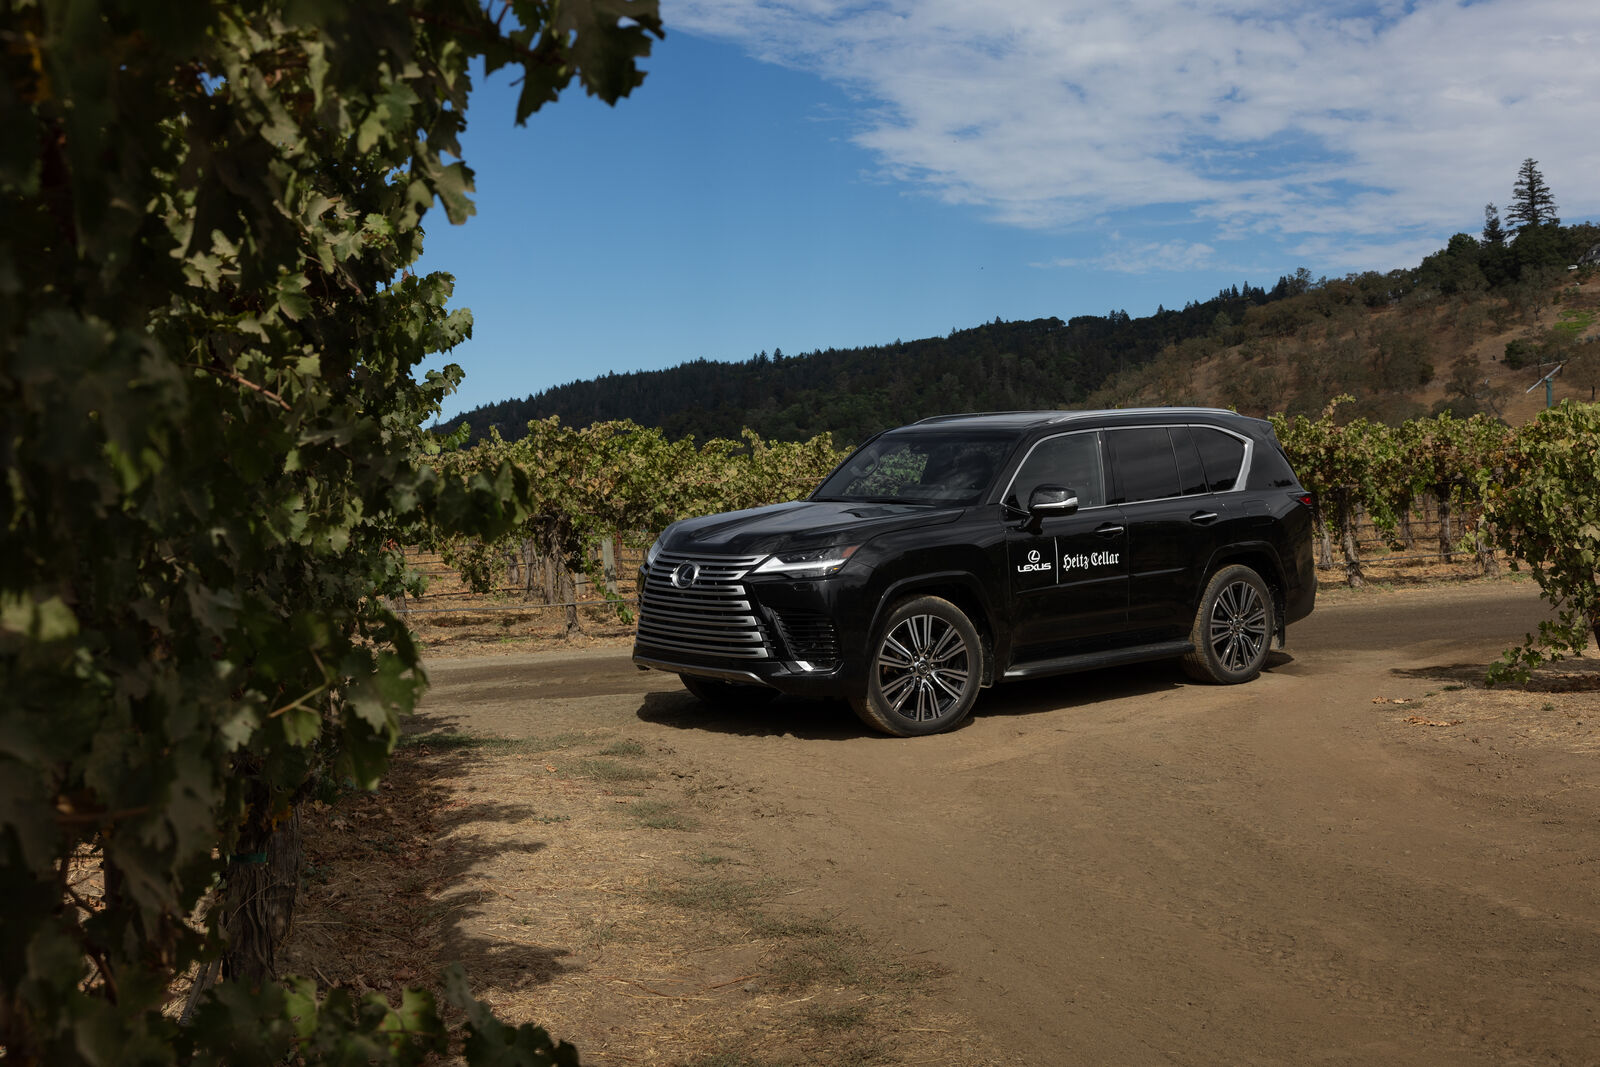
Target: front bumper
[(714, 621)]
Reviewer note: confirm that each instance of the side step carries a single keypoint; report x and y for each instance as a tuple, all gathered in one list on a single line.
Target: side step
[(1089, 661)]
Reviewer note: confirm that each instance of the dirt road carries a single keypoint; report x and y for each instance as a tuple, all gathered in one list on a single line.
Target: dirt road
[(1124, 867)]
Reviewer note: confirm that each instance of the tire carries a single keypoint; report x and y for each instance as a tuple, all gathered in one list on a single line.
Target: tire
[(926, 670), (726, 695), (1233, 628)]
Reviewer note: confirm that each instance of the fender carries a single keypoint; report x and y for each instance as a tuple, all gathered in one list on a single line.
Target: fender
[(1227, 554), (989, 626)]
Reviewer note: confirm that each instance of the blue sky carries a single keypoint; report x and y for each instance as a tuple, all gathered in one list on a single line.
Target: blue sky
[(805, 174)]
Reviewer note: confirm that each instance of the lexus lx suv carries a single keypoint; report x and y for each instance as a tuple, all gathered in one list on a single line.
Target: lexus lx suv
[(961, 551)]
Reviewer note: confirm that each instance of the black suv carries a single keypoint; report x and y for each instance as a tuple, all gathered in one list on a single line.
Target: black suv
[(966, 550)]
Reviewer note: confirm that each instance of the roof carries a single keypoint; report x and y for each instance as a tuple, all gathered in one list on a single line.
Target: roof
[(1021, 420)]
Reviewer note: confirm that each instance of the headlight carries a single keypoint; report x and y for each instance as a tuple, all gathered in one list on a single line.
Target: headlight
[(813, 563), (655, 550)]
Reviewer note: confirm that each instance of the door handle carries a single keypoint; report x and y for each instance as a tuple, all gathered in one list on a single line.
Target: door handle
[(1202, 518), (1109, 529)]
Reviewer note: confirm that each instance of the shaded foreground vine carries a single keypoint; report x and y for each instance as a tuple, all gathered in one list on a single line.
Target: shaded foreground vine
[(210, 332)]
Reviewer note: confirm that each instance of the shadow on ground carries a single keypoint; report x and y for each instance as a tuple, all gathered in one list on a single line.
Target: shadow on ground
[(833, 720), (1566, 676), (389, 880)]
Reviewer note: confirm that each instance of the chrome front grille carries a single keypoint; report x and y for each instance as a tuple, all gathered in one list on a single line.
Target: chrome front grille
[(709, 616)]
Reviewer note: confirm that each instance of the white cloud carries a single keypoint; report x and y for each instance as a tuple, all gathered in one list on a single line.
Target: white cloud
[(1143, 257), (1327, 125)]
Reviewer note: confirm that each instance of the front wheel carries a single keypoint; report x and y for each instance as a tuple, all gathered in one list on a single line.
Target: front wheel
[(1232, 629), (926, 669)]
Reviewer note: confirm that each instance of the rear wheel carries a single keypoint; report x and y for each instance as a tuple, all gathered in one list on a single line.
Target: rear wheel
[(926, 669), (726, 695), (1232, 628)]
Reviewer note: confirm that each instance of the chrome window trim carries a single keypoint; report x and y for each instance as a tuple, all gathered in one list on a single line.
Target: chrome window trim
[(1239, 483), (1243, 476), (1239, 480), (1100, 449)]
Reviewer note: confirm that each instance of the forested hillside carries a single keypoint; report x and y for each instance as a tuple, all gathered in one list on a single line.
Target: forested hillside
[(1456, 333), (857, 391)]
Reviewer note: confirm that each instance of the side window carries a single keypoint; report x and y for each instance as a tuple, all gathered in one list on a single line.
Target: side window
[(1072, 460), (1191, 474), (1269, 468), (1144, 462), (1222, 454)]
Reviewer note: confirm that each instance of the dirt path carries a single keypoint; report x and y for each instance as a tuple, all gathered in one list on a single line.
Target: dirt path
[(1123, 867)]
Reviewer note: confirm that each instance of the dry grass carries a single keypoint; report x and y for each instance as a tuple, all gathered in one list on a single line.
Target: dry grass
[(1559, 706), (475, 631), (453, 618), (585, 888)]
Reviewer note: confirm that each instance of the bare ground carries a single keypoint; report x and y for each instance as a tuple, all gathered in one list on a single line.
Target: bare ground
[(1361, 858)]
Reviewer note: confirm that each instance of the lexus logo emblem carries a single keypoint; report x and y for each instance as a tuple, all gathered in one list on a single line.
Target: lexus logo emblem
[(684, 574), (1033, 556)]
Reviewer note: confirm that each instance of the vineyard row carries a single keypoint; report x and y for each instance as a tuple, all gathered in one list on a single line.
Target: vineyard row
[(1383, 496), (526, 582)]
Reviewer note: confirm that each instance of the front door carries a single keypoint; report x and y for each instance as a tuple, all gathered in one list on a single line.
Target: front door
[(1070, 584), (1068, 574)]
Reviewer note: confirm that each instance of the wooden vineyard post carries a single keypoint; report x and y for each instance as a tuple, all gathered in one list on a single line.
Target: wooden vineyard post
[(608, 563)]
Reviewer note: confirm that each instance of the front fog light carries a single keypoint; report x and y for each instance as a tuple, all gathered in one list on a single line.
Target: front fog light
[(813, 563)]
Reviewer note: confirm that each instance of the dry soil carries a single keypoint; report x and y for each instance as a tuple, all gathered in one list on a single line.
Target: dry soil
[(1363, 857)]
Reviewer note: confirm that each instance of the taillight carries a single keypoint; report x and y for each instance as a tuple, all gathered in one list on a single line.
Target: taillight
[(1302, 498)]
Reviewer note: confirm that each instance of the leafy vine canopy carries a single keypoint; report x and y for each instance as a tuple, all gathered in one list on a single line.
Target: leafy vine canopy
[(209, 211)]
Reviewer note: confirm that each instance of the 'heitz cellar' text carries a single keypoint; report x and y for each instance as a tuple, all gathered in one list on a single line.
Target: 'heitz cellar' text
[(1089, 559)]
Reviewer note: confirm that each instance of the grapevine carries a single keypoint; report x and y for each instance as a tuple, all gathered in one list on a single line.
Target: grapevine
[(210, 335), (618, 478), (1546, 511)]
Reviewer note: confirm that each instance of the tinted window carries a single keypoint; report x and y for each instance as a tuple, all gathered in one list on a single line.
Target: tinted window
[(1191, 474), (919, 467), (1269, 468), (1072, 460), (1222, 454), (1146, 468)]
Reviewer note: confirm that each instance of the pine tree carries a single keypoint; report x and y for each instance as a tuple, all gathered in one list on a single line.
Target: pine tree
[(1494, 234), (1532, 203)]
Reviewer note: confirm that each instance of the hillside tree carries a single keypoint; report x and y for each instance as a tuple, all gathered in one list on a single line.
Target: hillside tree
[(1583, 369), (1532, 203), (1494, 234)]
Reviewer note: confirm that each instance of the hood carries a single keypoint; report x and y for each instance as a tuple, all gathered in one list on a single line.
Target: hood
[(798, 524)]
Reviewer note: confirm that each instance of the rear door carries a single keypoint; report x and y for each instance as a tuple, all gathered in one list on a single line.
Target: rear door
[(1174, 522)]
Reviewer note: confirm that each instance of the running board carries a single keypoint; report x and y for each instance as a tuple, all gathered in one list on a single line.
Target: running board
[(1089, 661)]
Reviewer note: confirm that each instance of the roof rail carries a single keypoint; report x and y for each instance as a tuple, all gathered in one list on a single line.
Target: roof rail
[(977, 415)]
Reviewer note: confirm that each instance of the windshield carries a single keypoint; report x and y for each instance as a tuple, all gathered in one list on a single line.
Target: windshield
[(919, 468)]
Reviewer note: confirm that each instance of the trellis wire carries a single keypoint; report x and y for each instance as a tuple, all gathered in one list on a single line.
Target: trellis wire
[(474, 609)]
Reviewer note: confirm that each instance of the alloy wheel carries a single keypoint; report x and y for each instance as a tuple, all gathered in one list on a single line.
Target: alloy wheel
[(923, 666), (1238, 628)]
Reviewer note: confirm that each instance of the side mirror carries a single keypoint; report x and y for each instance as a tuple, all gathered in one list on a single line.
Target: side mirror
[(1052, 500)]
